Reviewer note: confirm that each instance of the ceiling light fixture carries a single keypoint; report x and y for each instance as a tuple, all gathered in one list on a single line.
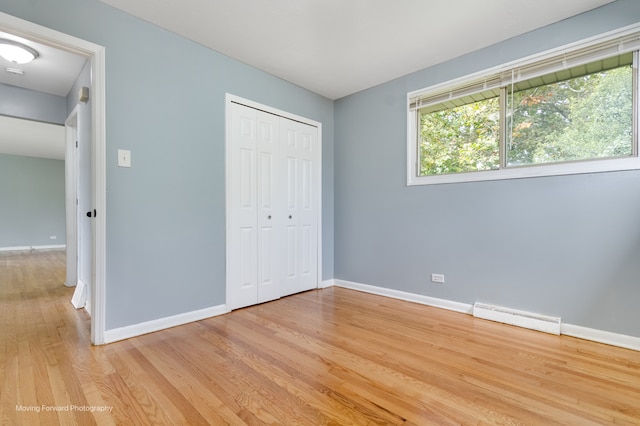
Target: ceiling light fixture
[(17, 53)]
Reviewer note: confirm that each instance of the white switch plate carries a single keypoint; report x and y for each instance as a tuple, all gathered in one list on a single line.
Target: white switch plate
[(124, 158)]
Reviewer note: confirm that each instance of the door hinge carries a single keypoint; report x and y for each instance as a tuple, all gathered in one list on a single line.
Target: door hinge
[(76, 144)]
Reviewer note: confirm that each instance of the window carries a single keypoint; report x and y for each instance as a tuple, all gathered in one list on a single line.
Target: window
[(460, 139), (565, 112)]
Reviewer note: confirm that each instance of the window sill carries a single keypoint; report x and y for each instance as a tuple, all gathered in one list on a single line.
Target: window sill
[(558, 169)]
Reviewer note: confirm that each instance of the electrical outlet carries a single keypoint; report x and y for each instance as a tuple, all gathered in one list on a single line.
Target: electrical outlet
[(437, 278), (53, 237)]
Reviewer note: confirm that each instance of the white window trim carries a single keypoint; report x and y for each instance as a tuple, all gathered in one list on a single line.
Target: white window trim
[(528, 171)]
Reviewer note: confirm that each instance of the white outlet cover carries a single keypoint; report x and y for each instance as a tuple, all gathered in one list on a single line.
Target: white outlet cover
[(437, 278)]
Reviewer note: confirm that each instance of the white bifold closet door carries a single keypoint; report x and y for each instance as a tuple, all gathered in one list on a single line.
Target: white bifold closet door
[(273, 202)]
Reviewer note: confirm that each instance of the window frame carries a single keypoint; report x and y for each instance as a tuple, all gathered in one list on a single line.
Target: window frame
[(532, 170)]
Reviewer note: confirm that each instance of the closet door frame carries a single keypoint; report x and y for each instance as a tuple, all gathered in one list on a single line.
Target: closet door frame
[(229, 101)]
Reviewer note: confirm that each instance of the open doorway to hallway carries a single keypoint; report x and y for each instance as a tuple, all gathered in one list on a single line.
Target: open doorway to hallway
[(46, 157), (76, 99)]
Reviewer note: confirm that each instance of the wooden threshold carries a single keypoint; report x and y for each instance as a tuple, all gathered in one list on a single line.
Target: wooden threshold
[(332, 356)]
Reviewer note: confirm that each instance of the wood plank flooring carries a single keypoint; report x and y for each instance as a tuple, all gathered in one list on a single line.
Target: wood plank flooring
[(331, 356)]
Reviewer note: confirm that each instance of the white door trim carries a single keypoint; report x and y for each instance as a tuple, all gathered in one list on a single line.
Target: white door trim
[(71, 197), (96, 55), (229, 99)]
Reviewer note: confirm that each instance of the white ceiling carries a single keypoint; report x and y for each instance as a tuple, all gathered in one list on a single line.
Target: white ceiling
[(31, 138), (53, 72), (339, 47)]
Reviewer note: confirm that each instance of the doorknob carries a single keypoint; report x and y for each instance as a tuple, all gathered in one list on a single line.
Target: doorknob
[(91, 214), (269, 217), (290, 216)]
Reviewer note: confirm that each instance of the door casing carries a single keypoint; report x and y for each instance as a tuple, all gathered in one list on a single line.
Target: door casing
[(71, 197)]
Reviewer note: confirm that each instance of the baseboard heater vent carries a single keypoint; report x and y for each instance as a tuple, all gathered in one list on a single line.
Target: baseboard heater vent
[(519, 318)]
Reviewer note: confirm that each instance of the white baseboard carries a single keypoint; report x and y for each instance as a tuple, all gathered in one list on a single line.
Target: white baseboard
[(327, 283), (30, 248), (135, 330), (595, 335), (410, 297), (601, 336)]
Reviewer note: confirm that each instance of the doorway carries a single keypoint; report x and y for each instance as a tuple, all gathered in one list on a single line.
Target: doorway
[(96, 165), (78, 198)]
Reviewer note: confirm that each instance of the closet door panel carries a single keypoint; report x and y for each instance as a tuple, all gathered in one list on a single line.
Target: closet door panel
[(242, 223), (291, 185), (269, 211), (309, 196), (301, 164)]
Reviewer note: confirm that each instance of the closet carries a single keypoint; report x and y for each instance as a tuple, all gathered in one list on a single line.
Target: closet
[(273, 201)]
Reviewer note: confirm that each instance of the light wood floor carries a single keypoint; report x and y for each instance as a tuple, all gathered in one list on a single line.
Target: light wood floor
[(332, 356)]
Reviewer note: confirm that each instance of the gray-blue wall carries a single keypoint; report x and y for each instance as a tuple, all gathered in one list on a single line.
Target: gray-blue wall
[(32, 105), (165, 102), (567, 246), (31, 201), (31, 189)]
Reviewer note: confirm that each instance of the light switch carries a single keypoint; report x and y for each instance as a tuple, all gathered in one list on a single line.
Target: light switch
[(124, 158)]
